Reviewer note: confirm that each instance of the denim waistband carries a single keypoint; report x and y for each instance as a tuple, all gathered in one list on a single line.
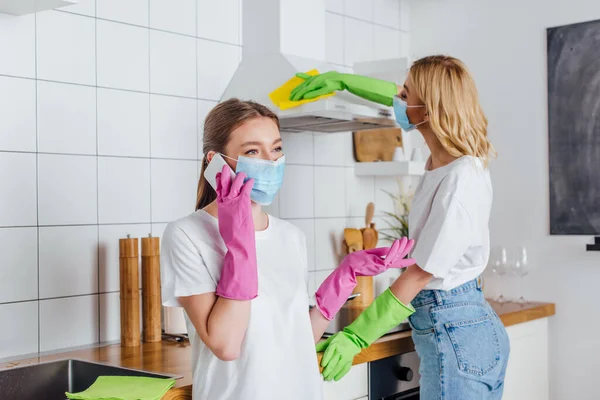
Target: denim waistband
[(438, 296)]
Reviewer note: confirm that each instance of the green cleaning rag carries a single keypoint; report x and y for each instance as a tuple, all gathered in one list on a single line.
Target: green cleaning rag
[(125, 388)]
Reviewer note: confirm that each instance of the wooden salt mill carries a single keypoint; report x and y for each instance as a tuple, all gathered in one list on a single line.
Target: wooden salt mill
[(129, 288), (151, 300)]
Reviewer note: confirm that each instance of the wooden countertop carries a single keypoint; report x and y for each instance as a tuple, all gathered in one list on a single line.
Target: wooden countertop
[(174, 358)]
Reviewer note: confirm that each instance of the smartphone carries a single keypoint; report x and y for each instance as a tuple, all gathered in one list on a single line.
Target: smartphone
[(213, 168)]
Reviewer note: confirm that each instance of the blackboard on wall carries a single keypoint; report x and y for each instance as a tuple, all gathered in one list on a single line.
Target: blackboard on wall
[(574, 128)]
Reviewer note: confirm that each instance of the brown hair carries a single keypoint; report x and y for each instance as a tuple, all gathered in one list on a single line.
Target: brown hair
[(218, 125)]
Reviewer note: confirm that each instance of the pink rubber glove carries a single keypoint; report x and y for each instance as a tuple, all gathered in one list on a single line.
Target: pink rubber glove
[(239, 277), (334, 291)]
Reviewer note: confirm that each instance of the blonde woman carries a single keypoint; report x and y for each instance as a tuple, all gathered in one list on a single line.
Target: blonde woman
[(461, 342)]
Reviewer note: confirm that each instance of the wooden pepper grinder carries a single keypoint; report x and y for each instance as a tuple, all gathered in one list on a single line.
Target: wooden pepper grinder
[(151, 301), (130, 295)]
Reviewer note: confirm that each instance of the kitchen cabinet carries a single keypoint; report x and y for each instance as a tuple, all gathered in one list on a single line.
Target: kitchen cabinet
[(527, 372), (353, 386)]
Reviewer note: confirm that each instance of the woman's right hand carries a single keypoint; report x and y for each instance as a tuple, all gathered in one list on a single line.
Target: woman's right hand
[(239, 276)]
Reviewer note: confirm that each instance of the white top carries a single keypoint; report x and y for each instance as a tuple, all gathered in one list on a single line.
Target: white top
[(278, 358), (449, 220)]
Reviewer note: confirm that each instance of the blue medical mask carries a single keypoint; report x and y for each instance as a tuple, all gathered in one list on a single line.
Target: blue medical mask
[(267, 175), (400, 107)]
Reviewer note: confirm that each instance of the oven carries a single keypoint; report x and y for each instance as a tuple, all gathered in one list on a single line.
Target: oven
[(395, 378)]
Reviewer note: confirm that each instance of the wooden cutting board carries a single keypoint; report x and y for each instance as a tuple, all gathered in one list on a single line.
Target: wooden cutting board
[(376, 144)]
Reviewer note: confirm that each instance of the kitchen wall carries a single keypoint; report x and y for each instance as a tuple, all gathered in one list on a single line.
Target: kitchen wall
[(100, 136), (504, 44)]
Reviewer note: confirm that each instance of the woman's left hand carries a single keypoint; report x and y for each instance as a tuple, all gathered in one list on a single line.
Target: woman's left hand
[(375, 261), (340, 350)]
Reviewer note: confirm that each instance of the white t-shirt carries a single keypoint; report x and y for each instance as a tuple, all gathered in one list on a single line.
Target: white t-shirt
[(278, 358), (449, 221)]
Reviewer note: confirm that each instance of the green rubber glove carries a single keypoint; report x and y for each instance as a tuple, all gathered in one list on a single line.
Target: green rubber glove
[(379, 318), (372, 89)]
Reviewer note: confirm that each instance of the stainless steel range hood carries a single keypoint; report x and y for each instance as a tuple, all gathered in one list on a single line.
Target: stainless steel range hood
[(270, 28)]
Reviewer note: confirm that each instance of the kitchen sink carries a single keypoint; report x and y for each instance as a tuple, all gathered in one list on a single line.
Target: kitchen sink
[(50, 381)]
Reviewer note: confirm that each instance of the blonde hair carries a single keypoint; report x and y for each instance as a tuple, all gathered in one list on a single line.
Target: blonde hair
[(448, 91), (218, 125)]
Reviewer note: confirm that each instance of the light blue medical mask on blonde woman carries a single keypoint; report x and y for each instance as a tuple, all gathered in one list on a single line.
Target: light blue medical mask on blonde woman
[(400, 108)]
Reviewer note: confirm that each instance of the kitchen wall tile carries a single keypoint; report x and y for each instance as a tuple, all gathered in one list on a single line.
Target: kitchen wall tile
[(123, 123), (173, 127), (334, 50), (108, 251), (19, 261), (67, 190), (360, 191), (158, 230), (17, 102), (66, 118), (383, 202), (174, 187), (17, 45), (320, 277), (220, 20), (66, 47), (312, 287), (330, 192), (84, 7), (76, 315), (329, 238), (358, 44), (387, 12), (361, 9), (296, 197), (135, 13), (405, 15), (308, 228), (123, 52), (68, 261), (172, 64), (217, 63), (22, 336), (123, 190), (19, 204), (298, 148), (110, 317), (386, 43), (335, 6), (332, 148), (405, 45), (174, 16), (204, 108)]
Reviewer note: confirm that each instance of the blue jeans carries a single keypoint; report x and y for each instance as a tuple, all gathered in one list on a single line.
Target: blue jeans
[(462, 344)]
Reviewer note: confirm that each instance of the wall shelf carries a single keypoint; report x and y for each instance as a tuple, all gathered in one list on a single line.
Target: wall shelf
[(389, 168), (23, 7)]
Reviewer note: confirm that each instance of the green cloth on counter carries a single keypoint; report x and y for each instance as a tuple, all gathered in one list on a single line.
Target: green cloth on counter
[(125, 388)]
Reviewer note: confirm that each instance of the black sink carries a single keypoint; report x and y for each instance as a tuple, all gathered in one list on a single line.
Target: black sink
[(50, 381)]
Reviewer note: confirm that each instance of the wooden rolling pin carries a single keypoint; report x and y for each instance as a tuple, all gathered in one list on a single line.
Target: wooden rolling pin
[(151, 302), (130, 295)]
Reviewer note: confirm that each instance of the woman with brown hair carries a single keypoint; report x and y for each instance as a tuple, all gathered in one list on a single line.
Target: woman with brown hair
[(240, 274)]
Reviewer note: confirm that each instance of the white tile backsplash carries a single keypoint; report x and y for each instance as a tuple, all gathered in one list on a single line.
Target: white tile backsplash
[(383, 202), (361, 9), (387, 12), (220, 20), (334, 50), (358, 44), (123, 52), (405, 45), (19, 188), (360, 191), (329, 237), (19, 259), (174, 127), (204, 108), (174, 185), (333, 148), (76, 315), (110, 317), (84, 7), (66, 47), (296, 196), (17, 125), (386, 43), (123, 123), (108, 251), (20, 335), (135, 12), (66, 118), (68, 260), (17, 45), (308, 228), (298, 148), (123, 190), (335, 6), (330, 192), (217, 63), (405, 15), (174, 16), (67, 190), (172, 64)]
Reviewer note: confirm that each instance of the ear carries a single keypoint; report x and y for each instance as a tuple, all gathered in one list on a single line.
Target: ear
[(210, 155)]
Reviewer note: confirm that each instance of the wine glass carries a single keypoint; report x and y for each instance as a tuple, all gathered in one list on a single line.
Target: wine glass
[(498, 263), (521, 268)]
